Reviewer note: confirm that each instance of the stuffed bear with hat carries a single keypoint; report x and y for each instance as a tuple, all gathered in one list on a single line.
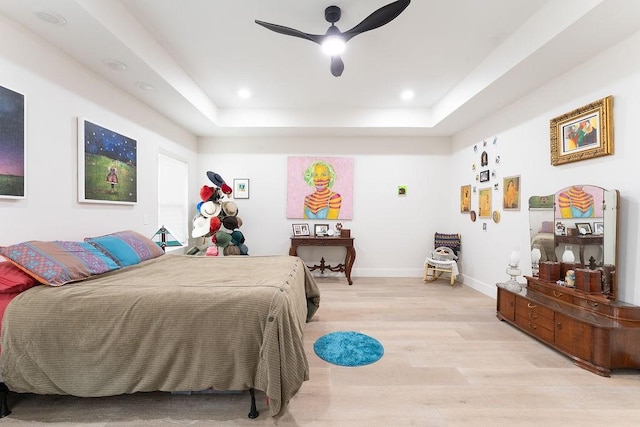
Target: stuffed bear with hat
[(217, 218)]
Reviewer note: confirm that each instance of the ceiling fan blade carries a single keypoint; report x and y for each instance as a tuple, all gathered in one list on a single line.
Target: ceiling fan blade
[(291, 32), (337, 66), (380, 17)]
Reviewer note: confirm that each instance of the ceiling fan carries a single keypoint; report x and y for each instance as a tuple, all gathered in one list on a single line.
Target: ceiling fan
[(333, 40)]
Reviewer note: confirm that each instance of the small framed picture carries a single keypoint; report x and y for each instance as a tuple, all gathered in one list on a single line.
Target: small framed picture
[(465, 198), (321, 230), (484, 210), (300, 230), (584, 228), (484, 176), (511, 193), (598, 228), (241, 188)]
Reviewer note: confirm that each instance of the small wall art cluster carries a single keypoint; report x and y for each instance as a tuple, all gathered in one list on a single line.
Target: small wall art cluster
[(488, 189)]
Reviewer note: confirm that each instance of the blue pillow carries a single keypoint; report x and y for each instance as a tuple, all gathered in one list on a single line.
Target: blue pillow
[(126, 247)]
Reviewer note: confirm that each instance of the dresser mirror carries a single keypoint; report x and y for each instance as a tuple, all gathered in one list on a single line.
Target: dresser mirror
[(577, 224)]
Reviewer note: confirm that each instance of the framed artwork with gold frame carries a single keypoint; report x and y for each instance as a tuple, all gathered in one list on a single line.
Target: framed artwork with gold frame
[(484, 201), (584, 133), (511, 193), (465, 198)]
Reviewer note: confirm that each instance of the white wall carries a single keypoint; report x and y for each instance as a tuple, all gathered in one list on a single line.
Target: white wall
[(392, 234), (57, 90), (523, 133)]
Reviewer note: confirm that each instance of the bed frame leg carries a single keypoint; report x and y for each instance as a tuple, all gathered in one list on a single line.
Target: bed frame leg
[(253, 413), (4, 408)]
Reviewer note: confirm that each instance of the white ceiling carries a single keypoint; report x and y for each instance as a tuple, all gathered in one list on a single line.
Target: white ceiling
[(464, 59)]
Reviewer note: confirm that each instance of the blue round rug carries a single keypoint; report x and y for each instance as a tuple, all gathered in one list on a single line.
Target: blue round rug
[(348, 348)]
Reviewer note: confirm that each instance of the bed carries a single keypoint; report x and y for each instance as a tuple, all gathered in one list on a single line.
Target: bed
[(167, 323), (544, 239)]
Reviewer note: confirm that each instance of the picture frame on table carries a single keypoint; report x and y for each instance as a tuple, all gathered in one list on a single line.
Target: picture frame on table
[(321, 230), (584, 133), (584, 228), (598, 228), (300, 230)]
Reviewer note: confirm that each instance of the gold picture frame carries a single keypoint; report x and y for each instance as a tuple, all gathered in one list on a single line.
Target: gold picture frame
[(511, 193), (584, 133), (465, 198), (484, 203)]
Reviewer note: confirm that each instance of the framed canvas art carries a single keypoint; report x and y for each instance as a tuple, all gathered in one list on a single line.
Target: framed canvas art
[(320, 187), (12, 145), (107, 165)]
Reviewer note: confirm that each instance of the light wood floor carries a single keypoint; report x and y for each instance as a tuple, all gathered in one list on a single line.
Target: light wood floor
[(448, 362)]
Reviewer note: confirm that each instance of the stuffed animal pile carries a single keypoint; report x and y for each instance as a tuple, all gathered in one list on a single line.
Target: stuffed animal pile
[(217, 217)]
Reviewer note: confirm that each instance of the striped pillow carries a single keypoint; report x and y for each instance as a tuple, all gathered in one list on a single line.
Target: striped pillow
[(58, 262), (126, 247)]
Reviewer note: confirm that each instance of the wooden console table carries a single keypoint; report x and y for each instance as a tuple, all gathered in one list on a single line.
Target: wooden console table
[(596, 333), (346, 242), (581, 241)]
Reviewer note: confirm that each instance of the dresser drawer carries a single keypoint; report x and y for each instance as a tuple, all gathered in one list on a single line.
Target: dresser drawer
[(541, 328), (533, 310), (535, 318), (557, 292), (596, 306)]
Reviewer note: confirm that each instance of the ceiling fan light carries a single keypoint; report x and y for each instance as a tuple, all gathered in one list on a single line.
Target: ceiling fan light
[(333, 45)]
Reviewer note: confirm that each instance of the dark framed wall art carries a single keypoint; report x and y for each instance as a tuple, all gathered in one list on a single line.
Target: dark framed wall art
[(13, 153), (107, 165)]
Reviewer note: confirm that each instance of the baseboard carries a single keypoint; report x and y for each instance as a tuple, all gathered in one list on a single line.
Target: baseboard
[(387, 272), (485, 288)]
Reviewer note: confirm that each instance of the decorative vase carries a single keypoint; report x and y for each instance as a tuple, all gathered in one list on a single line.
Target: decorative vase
[(568, 255)]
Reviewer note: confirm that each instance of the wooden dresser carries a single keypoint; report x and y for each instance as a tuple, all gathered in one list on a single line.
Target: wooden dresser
[(597, 333)]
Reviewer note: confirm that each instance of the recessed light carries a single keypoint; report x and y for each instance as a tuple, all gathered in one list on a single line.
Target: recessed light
[(50, 17), (244, 93), (407, 95), (144, 86), (114, 64)]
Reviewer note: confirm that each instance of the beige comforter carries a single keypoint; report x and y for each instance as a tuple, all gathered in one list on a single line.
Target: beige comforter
[(174, 323)]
